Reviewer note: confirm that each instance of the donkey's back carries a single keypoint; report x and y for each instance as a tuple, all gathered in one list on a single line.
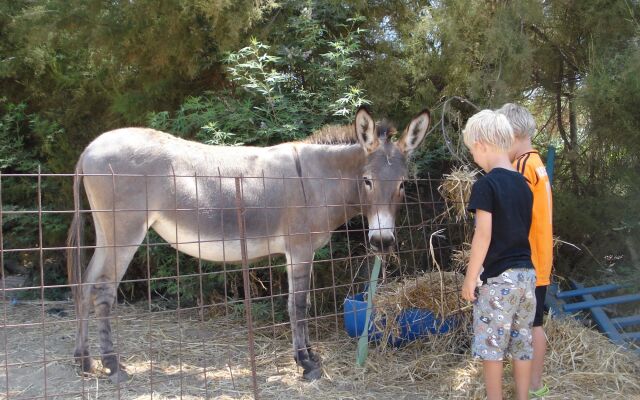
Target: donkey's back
[(143, 151), (186, 191)]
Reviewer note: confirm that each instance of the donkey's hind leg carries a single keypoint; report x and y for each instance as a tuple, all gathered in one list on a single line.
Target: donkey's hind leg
[(83, 307), (105, 296), (81, 353), (104, 292), (299, 274)]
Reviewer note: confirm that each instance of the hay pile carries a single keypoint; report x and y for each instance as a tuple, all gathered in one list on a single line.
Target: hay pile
[(455, 190), (438, 292), (582, 359), (580, 364)]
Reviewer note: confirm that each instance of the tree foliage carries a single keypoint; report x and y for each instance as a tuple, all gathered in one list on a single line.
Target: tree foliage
[(574, 64), (278, 93), (263, 72)]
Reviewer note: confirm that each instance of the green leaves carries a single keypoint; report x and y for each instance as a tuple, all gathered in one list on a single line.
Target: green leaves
[(280, 92)]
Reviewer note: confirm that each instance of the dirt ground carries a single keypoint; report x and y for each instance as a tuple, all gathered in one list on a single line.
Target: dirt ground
[(168, 355), (175, 355)]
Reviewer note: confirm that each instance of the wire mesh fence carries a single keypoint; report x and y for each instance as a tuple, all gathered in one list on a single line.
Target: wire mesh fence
[(195, 298)]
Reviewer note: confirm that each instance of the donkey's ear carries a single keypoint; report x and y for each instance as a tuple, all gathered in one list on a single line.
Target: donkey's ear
[(366, 130), (415, 132)]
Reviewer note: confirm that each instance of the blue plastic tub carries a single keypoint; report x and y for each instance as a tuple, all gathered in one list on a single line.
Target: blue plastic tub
[(414, 323)]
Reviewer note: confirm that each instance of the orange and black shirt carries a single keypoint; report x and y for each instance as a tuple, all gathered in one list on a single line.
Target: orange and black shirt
[(541, 233)]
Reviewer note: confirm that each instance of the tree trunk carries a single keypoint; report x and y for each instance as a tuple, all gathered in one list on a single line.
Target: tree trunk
[(573, 134)]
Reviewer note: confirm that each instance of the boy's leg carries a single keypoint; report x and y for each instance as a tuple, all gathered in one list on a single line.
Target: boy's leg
[(488, 344), (494, 312), (539, 340), (539, 351), (492, 371), (522, 377), (521, 345)]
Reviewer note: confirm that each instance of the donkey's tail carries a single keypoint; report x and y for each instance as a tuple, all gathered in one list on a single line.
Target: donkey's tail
[(74, 239)]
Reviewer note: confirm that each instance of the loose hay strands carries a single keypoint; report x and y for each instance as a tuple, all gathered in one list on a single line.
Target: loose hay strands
[(438, 292), (585, 361), (580, 363), (557, 242), (460, 257), (455, 190)]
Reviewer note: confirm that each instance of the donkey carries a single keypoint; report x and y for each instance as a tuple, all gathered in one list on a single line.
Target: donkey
[(137, 178)]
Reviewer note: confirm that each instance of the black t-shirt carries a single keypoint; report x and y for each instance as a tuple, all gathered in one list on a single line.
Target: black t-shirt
[(506, 195)]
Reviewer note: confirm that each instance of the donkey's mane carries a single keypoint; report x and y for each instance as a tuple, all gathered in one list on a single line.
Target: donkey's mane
[(346, 134), (333, 134)]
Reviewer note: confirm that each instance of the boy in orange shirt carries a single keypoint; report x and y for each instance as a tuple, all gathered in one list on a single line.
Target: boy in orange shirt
[(528, 162)]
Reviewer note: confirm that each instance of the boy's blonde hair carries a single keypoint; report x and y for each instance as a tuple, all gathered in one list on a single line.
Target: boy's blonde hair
[(521, 120), (489, 127)]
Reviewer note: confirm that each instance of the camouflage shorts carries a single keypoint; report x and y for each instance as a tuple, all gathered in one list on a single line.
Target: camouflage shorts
[(503, 316)]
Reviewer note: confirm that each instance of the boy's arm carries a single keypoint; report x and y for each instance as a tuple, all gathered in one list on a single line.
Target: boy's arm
[(479, 247)]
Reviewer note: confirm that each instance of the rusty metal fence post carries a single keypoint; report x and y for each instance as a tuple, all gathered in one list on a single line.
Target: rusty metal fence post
[(245, 278)]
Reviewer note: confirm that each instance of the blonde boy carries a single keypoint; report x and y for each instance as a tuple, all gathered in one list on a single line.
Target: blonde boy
[(504, 306), (528, 162)]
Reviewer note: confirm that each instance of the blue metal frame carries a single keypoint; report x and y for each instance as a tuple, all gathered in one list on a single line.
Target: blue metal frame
[(607, 301), (559, 305), (554, 302), (590, 290), (551, 158), (624, 322), (600, 317)]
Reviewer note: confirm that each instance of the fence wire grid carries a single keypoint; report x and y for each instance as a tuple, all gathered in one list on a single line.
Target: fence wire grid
[(182, 326)]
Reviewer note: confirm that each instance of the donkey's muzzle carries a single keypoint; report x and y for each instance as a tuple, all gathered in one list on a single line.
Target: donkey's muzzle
[(382, 243), (381, 232)]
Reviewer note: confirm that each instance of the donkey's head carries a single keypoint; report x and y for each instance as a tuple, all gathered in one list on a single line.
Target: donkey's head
[(384, 172)]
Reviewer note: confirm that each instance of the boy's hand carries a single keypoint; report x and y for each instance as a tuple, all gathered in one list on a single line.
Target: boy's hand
[(469, 288)]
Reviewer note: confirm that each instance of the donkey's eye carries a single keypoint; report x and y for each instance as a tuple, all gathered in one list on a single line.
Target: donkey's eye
[(368, 182)]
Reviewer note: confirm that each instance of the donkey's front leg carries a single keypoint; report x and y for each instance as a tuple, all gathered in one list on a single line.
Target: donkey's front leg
[(299, 274)]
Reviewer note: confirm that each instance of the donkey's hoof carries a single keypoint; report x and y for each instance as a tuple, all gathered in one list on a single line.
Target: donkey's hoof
[(85, 362), (119, 377), (314, 357), (87, 365), (312, 374)]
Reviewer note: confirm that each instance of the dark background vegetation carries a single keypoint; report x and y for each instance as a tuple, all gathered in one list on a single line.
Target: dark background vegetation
[(262, 72)]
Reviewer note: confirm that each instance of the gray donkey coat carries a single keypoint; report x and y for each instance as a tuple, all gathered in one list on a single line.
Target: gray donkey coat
[(294, 195)]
